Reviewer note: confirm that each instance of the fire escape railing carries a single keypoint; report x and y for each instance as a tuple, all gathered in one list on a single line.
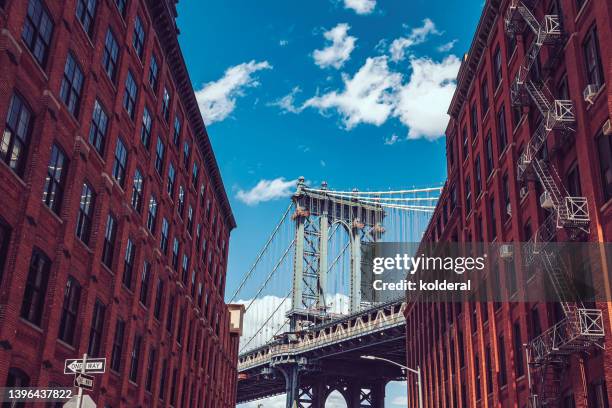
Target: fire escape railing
[(582, 328)]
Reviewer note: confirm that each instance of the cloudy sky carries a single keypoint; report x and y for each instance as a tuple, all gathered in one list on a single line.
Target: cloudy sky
[(353, 92)]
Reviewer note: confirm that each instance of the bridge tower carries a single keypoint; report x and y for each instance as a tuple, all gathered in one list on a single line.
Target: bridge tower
[(315, 213)]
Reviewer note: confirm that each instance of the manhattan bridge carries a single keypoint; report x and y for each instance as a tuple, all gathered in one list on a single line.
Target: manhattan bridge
[(311, 315)]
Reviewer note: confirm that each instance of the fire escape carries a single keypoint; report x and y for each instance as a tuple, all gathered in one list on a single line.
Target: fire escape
[(581, 328)]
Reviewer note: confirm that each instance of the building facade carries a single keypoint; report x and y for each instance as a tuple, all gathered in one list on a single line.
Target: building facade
[(114, 222), (502, 141)]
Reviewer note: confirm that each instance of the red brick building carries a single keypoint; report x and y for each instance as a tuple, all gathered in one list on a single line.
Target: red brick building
[(472, 354), (114, 222)]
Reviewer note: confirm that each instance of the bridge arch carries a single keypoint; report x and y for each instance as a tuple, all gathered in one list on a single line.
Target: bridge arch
[(337, 398)]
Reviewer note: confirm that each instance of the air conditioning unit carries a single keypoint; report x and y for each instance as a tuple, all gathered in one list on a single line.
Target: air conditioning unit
[(607, 128), (546, 201), (509, 209), (523, 192), (590, 92), (506, 251)]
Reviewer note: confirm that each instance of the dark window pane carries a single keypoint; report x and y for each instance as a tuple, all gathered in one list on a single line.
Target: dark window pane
[(36, 288), (37, 30), (53, 190), (15, 139)]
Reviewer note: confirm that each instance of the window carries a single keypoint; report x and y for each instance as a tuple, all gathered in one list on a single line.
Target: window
[(121, 4), (465, 142), (501, 348), (97, 326), (97, 130), (175, 253), (86, 10), (159, 293), (170, 317), (572, 181), (37, 31), (605, 164), (468, 196), (145, 132), (190, 220), (484, 96), (185, 271), (477, 176), (139, 37), (489, 368), (511, 46), (519, 367), (177, 130), (511, 277), (181, 201), (150, 370), (562, 91), (16, 378), (137, 190), (461, 349), (162, 380), (517, 114), (159, 156), (54, 181), (195, 172), (153, 73), (128, 264), (36, 288), (181, 326), (111, 55), (186, 151), (135, 357), (506, 192), (129, 98), (477, 378), (144, 283), (536, 327), (497, 67), (489, 154), (115, 363), (163, 243), (502, 135), (592, 58), (173, 388), (13, 149), (171, 178), (120, 164), (5, 238), (72, 83), (70, 309), (492, 219), (85, 215), (109, 241), (598, 395), (166, 105), (474, 121), (152, 217)]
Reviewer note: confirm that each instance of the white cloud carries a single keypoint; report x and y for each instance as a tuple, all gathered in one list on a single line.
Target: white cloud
[(340, 49), (287, 102), (323, 163), (447, 46), (366, 97), (400, 401), (217, 99), (422, 103), (417, 36), (360, 6), (389, 141), (267, 190), (283, 43)]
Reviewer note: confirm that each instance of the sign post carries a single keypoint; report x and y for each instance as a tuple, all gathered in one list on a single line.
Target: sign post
[(80, 394)]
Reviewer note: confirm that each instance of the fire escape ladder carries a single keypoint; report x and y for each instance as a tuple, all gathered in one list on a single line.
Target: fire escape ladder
[(581, 328)]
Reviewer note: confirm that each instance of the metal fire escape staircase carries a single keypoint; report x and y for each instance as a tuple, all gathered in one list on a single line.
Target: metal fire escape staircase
[(582, 328)]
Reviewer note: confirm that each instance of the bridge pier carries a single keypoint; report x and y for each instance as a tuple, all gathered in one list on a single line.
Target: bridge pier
[(312, 392)]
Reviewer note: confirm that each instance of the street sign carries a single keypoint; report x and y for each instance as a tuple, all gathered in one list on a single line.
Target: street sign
[(84, 381), (93, 366), (86, 402)]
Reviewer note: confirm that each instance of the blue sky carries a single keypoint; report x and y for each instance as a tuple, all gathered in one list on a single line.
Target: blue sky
[(353, 92)]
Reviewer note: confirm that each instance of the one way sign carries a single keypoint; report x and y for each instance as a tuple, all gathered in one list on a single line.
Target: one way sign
[(84, 381), (93, 365)]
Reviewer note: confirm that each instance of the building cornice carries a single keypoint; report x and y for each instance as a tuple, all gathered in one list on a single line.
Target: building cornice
[(471, 61), (163, 14)]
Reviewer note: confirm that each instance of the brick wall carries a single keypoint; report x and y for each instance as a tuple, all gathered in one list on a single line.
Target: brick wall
[(434, 331), (206, 357)]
